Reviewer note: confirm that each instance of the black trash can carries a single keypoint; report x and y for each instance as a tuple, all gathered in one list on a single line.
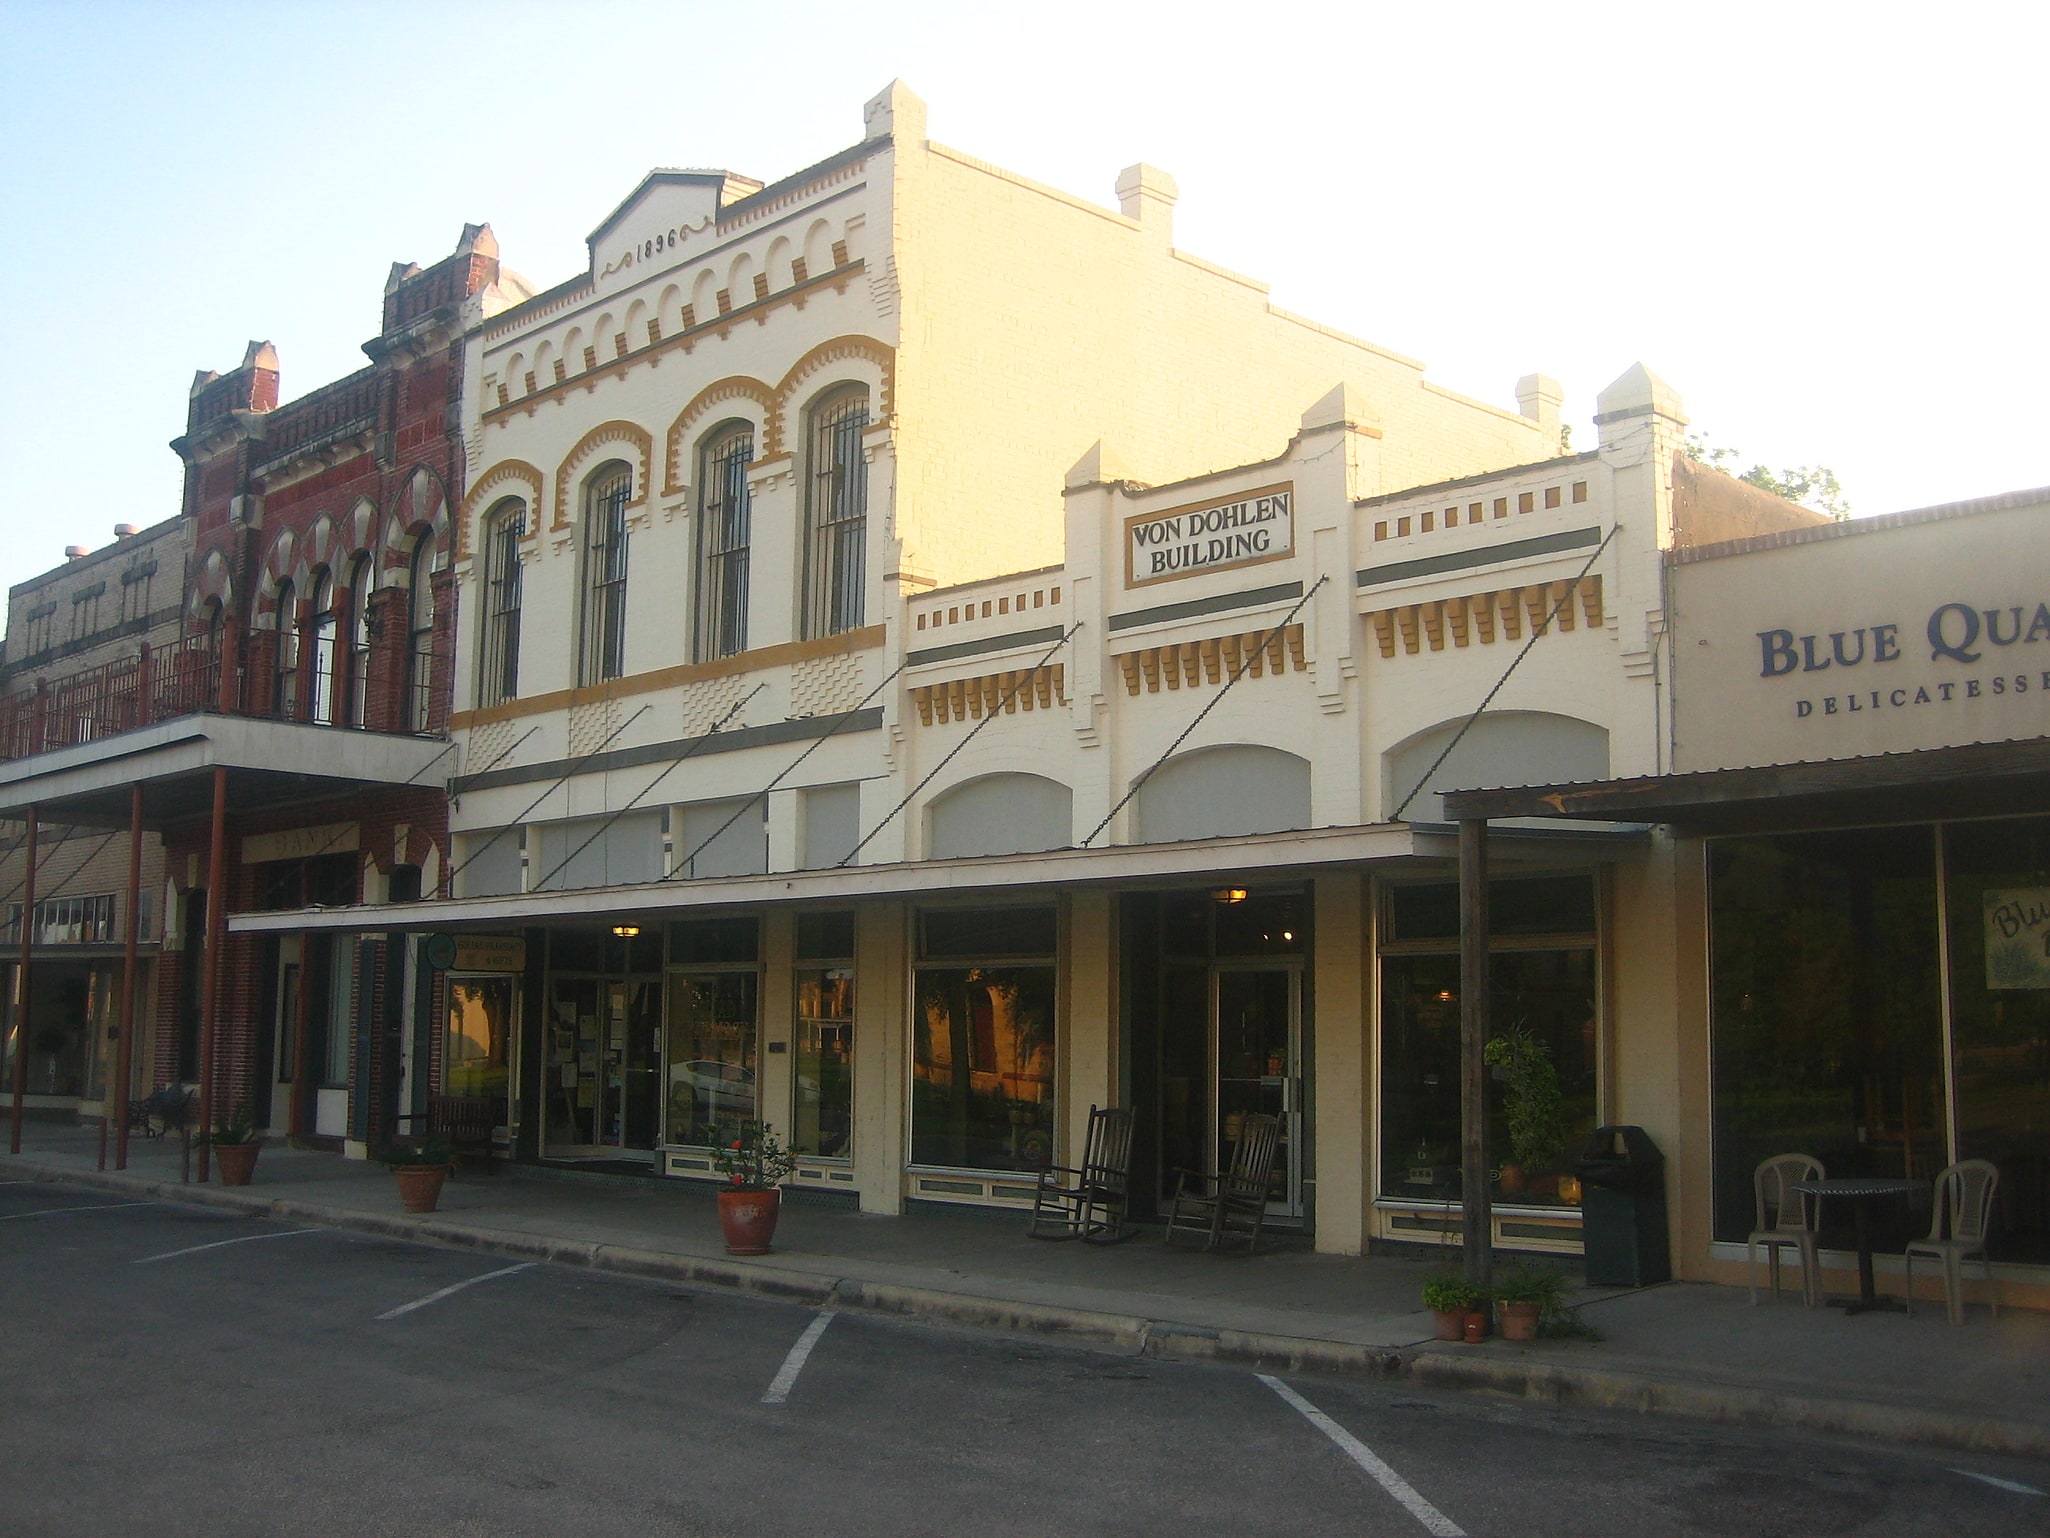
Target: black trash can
[(1623, 1209)]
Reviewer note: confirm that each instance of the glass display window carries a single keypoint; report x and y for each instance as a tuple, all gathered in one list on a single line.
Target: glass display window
[(984, 1041), (1542, 983), (822, 1106)]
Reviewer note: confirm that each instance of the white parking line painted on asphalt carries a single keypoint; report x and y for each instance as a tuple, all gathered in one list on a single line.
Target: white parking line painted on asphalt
[(1432, 1518), (454, 1287), (223, 1243), (2000, 1484), (793, 1364), (51, 1212)]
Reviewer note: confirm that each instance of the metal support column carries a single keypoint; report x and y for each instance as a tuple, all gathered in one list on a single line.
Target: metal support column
[(210, 997), (21, 988), (1475, 1233), (124, 1057)]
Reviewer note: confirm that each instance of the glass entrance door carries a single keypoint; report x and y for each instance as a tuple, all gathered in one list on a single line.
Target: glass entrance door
[(1257, 1037), (603, 1081)]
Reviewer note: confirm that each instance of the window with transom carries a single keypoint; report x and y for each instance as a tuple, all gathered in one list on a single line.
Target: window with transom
[(601, 651), (723, 516), (836, 514), (504, 527)]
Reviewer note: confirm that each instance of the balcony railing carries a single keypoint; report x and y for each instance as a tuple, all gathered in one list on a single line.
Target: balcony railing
[(159, 683)]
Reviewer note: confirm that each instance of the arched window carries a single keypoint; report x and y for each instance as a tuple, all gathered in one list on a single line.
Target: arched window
[(420, 637), (285, 700), (320, 684), (504, 526), (723, 541), (835, 514), (601, 653), (359, 640)]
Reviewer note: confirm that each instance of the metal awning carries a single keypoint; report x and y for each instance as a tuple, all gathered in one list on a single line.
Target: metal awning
[(1987, 779), (269, 763), (1254, 858)]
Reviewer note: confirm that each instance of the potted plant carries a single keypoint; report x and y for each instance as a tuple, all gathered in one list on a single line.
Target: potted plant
[(1526, 1294), (418, 1169), (1532, 1106), (754, 1164), (1451, 1299), (235, 1143)]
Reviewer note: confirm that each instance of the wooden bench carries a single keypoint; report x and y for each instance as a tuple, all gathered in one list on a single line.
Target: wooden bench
[(464, 1122)]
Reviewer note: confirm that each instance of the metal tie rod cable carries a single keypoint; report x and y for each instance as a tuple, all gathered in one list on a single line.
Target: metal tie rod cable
[(1245, 662), (674, 764), (1536, 630), (791, 768), (43, 858), (549, 789), (988, 716), (335, 836)]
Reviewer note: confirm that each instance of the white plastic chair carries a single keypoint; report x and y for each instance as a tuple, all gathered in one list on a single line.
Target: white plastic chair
[(1792, 1226), (1964, 1202)]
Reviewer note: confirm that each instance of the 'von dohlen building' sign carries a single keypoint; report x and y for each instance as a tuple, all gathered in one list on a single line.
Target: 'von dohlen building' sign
[(1210, 536)]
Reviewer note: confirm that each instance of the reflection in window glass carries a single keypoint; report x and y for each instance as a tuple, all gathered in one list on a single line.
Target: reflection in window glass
[(822, 1123), (711, 1058), (1826, 1015), (982, 1093), (479, 1026), (1997, 886), (1551, 994)]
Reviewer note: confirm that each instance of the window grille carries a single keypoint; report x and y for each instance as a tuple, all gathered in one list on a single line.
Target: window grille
[(603, 651), (287, 693), (420, 637), (321, 674), (836, 517), (359, 641), (723, 535), (503, 532)]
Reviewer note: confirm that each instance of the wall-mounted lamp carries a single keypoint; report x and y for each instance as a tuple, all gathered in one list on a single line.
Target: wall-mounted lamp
[(1229, 894), (626, 931)]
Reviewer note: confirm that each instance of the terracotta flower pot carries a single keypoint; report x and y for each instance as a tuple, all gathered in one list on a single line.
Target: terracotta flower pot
[(1476, 1329), (1449, 1323), (419, 1185), (1519, 1321), (236, 1162), (1512, 1179), (748, 1218)]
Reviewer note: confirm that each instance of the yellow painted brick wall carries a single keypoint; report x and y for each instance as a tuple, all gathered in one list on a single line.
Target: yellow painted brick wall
[(1034, 324)]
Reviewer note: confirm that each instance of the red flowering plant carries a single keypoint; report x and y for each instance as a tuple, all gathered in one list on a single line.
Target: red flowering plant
[(752, 1158)]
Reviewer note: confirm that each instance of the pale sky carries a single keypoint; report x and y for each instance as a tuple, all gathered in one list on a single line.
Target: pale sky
[(1822, 225)]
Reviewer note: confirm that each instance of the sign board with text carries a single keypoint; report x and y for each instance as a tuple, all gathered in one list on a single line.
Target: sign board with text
[(1927, 633), (1240, 530)]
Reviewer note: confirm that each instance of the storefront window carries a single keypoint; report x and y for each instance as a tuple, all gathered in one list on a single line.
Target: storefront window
[(714, 1002), (982, 1094), (1827, 1013), (479, 1027), (1997, 890), (1542, 981), (822, 1119)]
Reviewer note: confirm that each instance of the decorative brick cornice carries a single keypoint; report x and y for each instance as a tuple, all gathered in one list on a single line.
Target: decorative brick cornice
[(631, 434)]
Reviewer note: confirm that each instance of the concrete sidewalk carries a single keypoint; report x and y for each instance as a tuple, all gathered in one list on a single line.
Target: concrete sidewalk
[(1684, 1348)]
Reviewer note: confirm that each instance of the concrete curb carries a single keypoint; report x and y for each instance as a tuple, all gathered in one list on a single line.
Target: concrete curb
[(1551, 1382)]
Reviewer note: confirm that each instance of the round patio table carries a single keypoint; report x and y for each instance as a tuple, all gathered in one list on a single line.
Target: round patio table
[(1862, 1192)]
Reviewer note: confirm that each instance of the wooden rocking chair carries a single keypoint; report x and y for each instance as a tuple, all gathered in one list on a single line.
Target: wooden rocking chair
[(1232, 1203), (1087, 1202)]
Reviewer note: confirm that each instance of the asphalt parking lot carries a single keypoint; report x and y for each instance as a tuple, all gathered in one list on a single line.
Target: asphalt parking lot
[(174, 1369)]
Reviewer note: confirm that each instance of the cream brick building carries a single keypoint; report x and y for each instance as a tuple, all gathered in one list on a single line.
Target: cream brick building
[(933, 657)]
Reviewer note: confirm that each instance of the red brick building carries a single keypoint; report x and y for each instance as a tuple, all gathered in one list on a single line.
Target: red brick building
[(291, 748)]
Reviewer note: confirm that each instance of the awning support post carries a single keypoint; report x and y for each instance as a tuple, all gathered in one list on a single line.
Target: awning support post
[(1477, 1224), (216, 934), (124, 1058), (21, 986)]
